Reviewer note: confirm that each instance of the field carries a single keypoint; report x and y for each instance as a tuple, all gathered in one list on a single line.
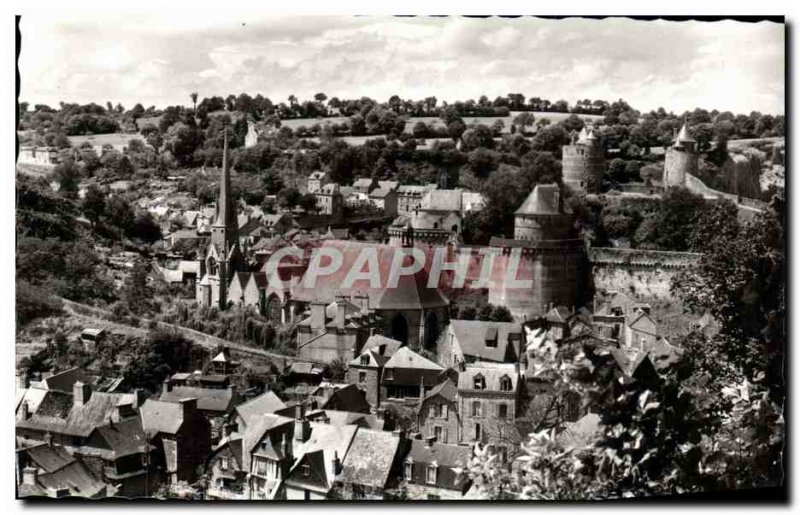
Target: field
[(117, 140)]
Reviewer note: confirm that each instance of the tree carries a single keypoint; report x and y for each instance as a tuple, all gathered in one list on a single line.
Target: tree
[(162, 354), (308, 202), (67, 175), (524, 120), (193, 96), (94, 203), (673, 225), (482, 162), (455, 129), (550, 139)]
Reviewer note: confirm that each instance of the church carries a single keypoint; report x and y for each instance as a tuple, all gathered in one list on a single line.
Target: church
[(223, 258)]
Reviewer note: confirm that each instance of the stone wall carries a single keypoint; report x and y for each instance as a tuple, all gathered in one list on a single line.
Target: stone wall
[(643, 273)]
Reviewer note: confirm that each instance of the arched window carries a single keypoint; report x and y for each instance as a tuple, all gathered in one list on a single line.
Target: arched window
[(399, 328), (431, 330)]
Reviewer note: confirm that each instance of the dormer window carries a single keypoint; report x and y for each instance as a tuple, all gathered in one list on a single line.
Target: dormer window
[(365, 360), (305, 470), (491, 337), (408, 471), (479, 383), (389, 374), (505, 384)]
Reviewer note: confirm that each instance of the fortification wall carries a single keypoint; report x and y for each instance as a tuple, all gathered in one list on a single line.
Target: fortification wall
[(642, 273), (743, 171)]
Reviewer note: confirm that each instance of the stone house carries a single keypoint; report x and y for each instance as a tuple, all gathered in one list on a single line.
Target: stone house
[(318, 179), (435, 471), (467, 341), (181, 433), (365, 371), (488, 398), (371, 467), (407, 376), (438, 416)]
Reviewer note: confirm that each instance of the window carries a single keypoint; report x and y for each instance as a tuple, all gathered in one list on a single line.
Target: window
[(478, 431), (306, 470), (430, 477), (437, 410), (223, 463), (479, 382), (476, 408), (389, 374), (365, 360), (408, 470), (261, 467), (438, 433), (505, 384), (502, 411), (362, 377)]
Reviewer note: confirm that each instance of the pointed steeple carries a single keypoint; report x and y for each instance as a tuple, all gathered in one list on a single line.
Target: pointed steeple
[(224, 229), (683, 135)]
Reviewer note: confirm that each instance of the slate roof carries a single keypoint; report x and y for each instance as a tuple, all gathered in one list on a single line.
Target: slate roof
[(325, 441), (629, 359), (256, 430), (492, 373), (444, 455), (472, 335), (412, 292), (76, 477), (369, 459), (407, 358), (446, 390), (124, 438), (49, 458), (375, 359), (208, 399), (58, 413), (543, 200), (161, 417), (64, 381), (268, 402), (378, 341), (683, 135)]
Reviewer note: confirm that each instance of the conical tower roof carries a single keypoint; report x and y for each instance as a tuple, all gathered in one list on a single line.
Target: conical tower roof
[(683, 135)]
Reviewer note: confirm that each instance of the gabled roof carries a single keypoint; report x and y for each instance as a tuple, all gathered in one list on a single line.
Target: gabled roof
[(208, 399), (369, 459), (385, 346), (407, 358), (161, 417), (444, 455), (266, 403), (683, 135), (442, 200), (374, 359), (643, 323), (544, 200), (257, 428), (49, 458), (472, 335), (628, 359), (58, 413), (447, 390), (124, 438)]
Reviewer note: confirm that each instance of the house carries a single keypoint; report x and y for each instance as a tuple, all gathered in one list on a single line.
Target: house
[(38, 155), (365, 371), (318, 451), (488, 397), (467, 341), (227, 476), (371, 467), (318, 179), (198, 379), (246, 413), (436, 471), (641, 333), (334, 331), (213, 403), (91, 337), (276, 224), (409, 197), (340, 397), (384, 199), (181, 433), (330, 201), (50, 471), (437, 415), (407, 376)]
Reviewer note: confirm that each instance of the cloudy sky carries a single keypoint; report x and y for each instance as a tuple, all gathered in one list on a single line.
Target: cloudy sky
[(160, 60)]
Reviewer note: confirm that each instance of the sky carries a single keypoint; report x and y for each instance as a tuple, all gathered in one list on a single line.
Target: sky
[(160, 60)]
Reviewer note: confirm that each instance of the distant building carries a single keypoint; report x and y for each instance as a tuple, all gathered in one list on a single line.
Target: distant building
[(38, 155), (330, 201), (409, 197), (583, 163), (317, 180), (681, 159)]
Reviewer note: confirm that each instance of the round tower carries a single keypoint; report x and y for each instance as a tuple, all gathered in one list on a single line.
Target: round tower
[(681, 159), (583, 163), (545, 251)]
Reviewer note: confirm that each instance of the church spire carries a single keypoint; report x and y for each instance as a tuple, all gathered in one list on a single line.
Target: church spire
[(225, 226)]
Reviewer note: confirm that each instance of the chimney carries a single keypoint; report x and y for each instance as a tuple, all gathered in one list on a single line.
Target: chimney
[(22, 381), (340, 311), (25, 411), (48, 439), (81, 393), (302, 429), (336, 464), (167, 385), (317, 316), (30, 476), (188, 406)]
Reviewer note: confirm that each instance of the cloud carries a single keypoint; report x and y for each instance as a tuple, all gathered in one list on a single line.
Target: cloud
[(160, 60)]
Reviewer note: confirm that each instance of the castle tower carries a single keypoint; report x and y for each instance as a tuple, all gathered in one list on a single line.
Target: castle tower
[(550, 254), (583, 162), (223, 257), (681, 159)]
